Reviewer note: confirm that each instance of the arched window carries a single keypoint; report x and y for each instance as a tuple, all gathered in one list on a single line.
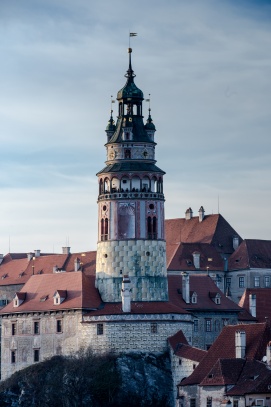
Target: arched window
[(152, 227), (101, 190), (106, 229), (102, 229)]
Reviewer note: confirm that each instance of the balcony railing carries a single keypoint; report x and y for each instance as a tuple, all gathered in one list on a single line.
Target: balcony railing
[(130, 195)]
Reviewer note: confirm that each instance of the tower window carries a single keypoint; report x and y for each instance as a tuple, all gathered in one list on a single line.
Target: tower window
[(127, 136), (152, 227), (104, 229), (127, 153)]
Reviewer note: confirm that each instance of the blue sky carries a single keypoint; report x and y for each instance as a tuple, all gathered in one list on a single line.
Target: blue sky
[(206, 65)]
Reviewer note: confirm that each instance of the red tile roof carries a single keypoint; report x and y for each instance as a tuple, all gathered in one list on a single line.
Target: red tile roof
[(214, 230), (81, 293), (202, 285), (251, 253), (263, 302), (254, 379), (177, 339), (224, 372), (182, 258), (17, 269), (257, 337), (180, 347)]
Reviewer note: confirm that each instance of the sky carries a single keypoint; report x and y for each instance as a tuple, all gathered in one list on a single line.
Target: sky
[(207, 66)]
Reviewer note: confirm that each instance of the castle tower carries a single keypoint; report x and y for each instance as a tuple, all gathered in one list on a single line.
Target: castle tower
[(131, 205)]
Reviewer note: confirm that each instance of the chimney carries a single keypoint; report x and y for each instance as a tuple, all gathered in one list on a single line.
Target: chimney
[(235, 242), (1, 258), (66, 250), (37, 253), (30, 256), (268, 353), (185, 287), (188, 214), (126, 294), (240, 344), (201, 214), (196, 260), (77, 264), (252, 304)]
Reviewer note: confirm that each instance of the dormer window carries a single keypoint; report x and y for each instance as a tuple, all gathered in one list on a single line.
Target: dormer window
[(194, 298), (59, 296), (127, 153), (216, 297), (18, 299)]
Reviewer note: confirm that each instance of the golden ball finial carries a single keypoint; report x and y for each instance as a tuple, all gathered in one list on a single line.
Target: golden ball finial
[(129, 50)]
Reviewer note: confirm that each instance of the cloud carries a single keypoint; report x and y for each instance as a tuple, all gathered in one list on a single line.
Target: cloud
[(206, 65)]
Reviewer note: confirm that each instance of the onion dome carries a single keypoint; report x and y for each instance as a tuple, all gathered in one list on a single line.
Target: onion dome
[(111, 124), (149, 124), (130, 90)]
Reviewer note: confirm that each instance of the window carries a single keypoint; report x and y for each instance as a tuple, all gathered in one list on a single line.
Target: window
[(235, 403), (100, 329), (256, 281), (192, 402), (217, 326), (208, 325), (154, 328), (196, 325), (13, 329), (36, 355), (209, 402), (104, 229), (59, 325), (36, 327), (152, 227), (266, 281), (13, 356), (180, 362), (127, 153), (194, 298), (241, 282), (228, 282)]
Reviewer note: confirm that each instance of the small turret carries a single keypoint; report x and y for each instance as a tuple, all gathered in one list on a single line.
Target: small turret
[(110, 128)]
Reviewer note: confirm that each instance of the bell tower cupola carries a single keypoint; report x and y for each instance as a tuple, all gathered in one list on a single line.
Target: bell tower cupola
[(131, 204)]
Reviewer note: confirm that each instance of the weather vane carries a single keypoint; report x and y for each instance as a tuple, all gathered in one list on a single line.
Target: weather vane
[(131, 35), (149, 100)]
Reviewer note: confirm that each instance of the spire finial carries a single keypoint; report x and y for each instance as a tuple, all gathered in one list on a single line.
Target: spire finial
[(149, 100), (112, 101)]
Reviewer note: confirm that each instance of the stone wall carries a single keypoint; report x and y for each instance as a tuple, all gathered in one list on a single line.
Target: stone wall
[(119, 333), (143, 260), (180, 368)]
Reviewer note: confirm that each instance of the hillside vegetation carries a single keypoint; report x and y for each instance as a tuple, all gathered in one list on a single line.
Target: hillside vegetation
[(90, 380)]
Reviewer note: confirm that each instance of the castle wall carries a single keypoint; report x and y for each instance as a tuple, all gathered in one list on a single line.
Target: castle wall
[(118, 333)]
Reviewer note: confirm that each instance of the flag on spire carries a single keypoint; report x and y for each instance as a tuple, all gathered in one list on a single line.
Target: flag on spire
[(133, 34)]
